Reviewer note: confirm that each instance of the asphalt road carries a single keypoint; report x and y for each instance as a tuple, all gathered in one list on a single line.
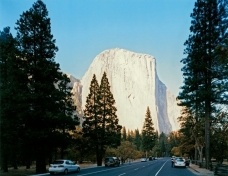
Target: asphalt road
[(160, 167)]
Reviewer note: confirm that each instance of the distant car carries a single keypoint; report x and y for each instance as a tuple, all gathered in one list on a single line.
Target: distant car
[(63, 166), (112, 161), (143, 160), (179, 162)]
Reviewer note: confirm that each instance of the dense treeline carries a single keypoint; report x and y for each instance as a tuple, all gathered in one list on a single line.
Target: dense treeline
[(37, 111), (38, 116), (204, 93)]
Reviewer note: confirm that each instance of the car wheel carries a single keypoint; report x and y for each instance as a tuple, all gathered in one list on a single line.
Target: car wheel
[(78, 169), (65, 171), (51, 173)]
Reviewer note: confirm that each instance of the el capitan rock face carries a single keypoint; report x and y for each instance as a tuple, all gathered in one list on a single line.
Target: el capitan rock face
[(135, 85)]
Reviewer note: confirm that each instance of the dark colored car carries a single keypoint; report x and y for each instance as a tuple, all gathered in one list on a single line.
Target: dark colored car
[(112, 161), (151, 158), (187, 162)]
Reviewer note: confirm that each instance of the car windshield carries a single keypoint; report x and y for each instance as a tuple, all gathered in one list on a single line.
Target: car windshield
[(58, 162), (180, 160)]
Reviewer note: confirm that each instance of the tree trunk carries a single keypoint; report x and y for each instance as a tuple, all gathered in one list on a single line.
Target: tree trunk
[(207, 137), (99, 158), (40, 165), (28, 164), (62, 152), (195, 157), (200, 149), (5, 162)]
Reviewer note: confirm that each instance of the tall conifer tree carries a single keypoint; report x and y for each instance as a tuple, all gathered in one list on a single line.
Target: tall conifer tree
[(110, 119), (12, 99), (101, 122), (48, 115), (202, 71), (92, 120), (148, 132), (124, 134), (137, 140)]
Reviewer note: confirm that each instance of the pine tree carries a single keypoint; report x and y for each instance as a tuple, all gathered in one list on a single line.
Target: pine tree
[(48, 115), (108, 113), (124, 135), (148, 132), (67, 119), (92, 120), (203, 75), (137, 140), (101, 122), (12, 100), (130, 136)]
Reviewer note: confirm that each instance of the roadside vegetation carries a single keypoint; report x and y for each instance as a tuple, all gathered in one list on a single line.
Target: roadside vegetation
[(204, 95), (39, 121)]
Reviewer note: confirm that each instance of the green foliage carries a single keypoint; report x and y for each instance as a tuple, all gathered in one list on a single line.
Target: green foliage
[(148, 132), (12, 98), (112, 132), (138, 140), (128, 150), (100, 124), (37, 100), (124, 134), (205, 67), (130, 136)]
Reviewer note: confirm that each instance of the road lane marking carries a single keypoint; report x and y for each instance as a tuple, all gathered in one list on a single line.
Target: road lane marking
[(106, 169), (122, 174), (136, 169), (103, 170), (160, 168)]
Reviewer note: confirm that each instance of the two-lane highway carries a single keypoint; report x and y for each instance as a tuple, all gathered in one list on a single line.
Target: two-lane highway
[(160, 167)]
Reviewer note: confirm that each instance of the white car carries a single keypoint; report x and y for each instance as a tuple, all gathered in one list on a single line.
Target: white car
[(143, 159), (179, 162), (63, 166)]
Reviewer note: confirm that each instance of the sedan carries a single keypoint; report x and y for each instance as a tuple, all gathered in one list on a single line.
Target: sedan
[(63, 166), (143, 159), (179, 162)]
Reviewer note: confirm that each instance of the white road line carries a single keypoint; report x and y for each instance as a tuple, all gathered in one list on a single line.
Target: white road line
[(103, 170), (122, 174), (136, 169), (92, 173), (160, 169)]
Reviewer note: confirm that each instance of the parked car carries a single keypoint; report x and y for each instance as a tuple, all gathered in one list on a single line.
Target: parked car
[(112, 161), (187, 162), (63, 166), (179, 162), (143, 159)]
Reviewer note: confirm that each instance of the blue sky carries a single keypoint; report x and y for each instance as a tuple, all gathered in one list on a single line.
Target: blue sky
[(84, 28)]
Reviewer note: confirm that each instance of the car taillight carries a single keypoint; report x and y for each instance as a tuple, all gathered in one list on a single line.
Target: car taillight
[(61, 166)]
